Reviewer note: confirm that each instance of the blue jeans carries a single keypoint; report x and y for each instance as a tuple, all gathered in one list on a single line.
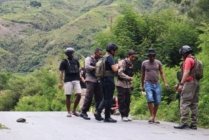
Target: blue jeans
[(153, 92)]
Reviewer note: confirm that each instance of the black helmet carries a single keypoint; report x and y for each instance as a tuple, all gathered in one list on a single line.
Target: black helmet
[(111, 47), (69, 50), (186, 49)]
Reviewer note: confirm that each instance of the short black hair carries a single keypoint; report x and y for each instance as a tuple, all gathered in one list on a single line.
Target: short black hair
[(97, 50), (111, 47)]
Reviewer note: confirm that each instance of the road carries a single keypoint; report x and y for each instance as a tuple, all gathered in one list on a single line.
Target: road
[(56, 126)]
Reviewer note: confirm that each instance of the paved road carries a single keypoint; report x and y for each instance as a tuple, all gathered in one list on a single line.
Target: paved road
[(56, 126)]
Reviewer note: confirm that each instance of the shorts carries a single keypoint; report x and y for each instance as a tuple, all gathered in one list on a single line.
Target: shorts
[(153, 92), (75, 86)]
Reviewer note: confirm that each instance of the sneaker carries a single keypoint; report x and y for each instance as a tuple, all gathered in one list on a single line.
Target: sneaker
[(129, 118), (84, 116), (124, 119), (192, 126), (98, 117), (69, 115), (181, 126), (110, 120)]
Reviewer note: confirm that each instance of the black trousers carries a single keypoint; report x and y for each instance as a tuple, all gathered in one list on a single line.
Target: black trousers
[(124, 100), (92, 90), (108, 87)]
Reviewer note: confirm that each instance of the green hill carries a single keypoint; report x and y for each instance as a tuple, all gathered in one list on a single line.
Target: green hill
[(31, 34), (32, 31)]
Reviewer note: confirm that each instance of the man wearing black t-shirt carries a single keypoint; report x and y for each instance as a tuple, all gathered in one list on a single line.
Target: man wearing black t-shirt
[(69, 80), (108, 85)]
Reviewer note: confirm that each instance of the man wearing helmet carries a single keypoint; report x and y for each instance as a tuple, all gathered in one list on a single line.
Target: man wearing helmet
[(108, 85), (69, 80), (188, 88)]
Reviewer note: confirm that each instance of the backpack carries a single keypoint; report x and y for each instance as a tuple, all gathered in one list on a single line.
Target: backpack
[(197, 70), (100, 67), (73, 66)]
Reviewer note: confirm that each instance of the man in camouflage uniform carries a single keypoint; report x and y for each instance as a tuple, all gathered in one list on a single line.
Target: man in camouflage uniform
[(124, 84), (188, 88)]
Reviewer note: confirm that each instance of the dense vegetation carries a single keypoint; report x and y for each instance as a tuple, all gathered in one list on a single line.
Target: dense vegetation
[(46, 29)]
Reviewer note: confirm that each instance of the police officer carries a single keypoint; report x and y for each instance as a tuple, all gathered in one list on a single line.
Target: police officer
[(93, 88), (124, 84), (108, 85), (188, 88)]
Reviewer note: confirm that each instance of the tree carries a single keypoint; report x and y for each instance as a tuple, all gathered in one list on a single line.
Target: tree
[(165, 31)]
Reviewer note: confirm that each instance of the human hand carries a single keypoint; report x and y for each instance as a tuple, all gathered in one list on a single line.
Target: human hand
[(130, 78), (142, 88), (143, 93), (176, 87), (179, 89)]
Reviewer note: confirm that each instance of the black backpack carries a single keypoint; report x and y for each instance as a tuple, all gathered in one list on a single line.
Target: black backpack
[(73, 66)]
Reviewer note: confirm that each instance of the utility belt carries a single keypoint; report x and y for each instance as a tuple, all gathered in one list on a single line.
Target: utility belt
[(109, 74)]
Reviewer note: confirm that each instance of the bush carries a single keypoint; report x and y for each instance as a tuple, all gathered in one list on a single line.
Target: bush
[(35, 4), (33, 103), (139, 107), (8, 100)]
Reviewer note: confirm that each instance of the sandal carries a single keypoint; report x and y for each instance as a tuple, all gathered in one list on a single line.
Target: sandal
[(157, 122), (150, 121), (76, 114)]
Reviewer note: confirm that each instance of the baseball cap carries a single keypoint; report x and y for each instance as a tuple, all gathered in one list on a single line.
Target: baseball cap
[(69, 49), (132, 52), (151, 51)]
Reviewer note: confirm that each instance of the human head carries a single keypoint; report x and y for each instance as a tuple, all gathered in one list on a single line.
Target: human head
[(112, 48), (151, 54), (132, 55), (69, 52), (98, 53), (185, 50)]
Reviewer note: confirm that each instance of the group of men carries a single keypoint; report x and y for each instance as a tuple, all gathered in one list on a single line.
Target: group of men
[(102, 88)]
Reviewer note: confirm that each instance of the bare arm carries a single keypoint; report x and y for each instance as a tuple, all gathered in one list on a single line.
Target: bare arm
[(114, 67), (82, 78), (142, 78), (61, 79), (185, 75), (162, 74)]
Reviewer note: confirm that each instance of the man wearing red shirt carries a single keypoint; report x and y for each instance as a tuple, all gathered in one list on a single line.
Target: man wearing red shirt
[(188, 88)]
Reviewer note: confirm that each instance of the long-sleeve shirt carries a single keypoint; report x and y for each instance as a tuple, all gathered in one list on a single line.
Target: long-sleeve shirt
[(124, 80), (90, 69)]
